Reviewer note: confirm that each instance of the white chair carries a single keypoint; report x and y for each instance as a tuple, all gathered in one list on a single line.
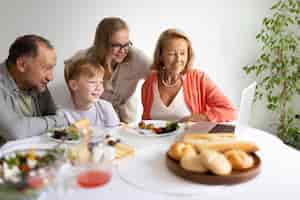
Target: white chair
[(245, 108), (132, 110)]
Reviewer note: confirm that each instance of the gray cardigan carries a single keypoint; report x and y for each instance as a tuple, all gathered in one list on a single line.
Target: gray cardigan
[(13, 123)]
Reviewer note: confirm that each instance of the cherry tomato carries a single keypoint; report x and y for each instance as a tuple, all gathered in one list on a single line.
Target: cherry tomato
[(157, 130), (24, 168)]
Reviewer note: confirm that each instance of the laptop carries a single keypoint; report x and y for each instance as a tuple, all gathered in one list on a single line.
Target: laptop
[(243, 117)]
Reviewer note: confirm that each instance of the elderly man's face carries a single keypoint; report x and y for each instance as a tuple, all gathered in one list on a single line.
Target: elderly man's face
[(38, 71)]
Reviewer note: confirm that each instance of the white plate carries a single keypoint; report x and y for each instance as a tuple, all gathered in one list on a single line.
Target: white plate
[(50, 134), (156, 123), (98, 133), (35, 142), (38, 151)]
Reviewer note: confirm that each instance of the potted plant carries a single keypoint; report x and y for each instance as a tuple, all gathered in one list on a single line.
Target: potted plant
[(278, 67)]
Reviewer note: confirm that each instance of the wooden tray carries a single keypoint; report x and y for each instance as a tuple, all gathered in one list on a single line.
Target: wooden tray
[(210, 179)]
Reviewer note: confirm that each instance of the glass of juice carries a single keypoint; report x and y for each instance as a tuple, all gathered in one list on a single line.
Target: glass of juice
[(91, 178), (93, 175)]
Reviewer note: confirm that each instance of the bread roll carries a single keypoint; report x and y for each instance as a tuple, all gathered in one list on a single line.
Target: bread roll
[(239, 160), (216, 162), (226, 145), (178, 149), (192, 163), (175, 150), (189, 150)]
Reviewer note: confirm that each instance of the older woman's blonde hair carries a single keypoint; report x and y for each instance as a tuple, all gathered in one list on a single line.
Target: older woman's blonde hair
[(167, 35), (102, 42)]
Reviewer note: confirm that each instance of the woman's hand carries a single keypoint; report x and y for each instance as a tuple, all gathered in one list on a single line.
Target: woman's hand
[(195, 118)]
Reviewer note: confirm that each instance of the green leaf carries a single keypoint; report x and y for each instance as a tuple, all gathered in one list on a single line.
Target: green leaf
[(258, 36), (291, 3), (290, 20), (276, 5)]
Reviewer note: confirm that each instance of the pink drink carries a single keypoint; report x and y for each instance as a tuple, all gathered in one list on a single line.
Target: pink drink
[(93, 178)]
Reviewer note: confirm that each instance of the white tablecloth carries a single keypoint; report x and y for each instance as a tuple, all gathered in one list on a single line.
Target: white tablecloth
[(279, 177)]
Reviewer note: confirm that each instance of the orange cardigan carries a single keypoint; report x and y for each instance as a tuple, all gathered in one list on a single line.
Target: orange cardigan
[(201, 96)]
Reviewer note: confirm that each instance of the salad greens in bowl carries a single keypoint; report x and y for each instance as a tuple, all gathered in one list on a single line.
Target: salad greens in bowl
[(25, 173)]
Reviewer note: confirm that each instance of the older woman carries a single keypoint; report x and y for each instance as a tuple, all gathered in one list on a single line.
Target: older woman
[(124, 65), (173, 91)]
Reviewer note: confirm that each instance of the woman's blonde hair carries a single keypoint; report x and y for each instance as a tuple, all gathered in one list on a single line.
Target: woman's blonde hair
[(102, 42), (167, 35)]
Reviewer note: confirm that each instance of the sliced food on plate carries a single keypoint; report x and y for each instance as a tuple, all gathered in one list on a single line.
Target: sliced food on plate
[(155, 128), (159, 129), (70, 133)]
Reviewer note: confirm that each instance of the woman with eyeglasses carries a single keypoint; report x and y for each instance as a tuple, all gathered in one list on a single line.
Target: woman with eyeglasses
[(174, 91), (124, 65)]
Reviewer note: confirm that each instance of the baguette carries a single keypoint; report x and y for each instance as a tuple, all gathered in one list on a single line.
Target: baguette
[(188, 137), (195, 139), (226, 145)]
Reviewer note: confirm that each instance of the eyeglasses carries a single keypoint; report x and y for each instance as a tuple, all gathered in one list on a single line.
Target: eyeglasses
[(119, 47)]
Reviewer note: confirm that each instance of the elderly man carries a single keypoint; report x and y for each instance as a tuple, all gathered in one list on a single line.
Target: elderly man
[(27, 108)]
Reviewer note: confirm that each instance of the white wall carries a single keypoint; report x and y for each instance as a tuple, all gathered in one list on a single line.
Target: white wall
[(222, 31)]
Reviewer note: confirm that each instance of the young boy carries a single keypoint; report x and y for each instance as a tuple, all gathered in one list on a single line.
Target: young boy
[(84, 78)]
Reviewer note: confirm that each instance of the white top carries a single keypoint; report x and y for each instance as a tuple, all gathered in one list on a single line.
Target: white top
[(101, 114), (177, 109)]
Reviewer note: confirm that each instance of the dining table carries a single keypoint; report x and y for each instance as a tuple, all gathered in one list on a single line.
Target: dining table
[(144, 175)]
